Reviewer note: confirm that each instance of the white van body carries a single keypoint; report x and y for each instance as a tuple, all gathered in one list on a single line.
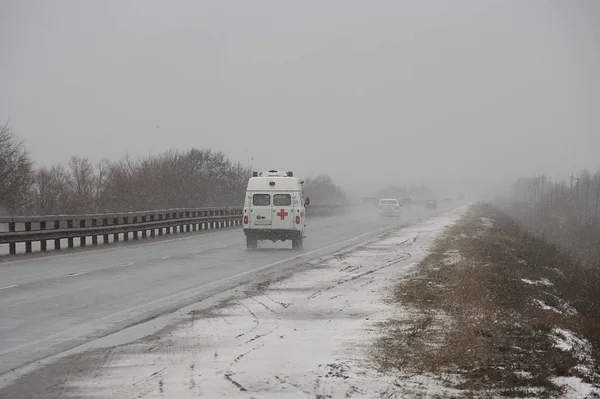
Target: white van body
[(274, 209)]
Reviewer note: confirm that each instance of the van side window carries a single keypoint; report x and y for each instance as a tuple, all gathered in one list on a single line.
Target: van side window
[(261, 199), (282, 199)]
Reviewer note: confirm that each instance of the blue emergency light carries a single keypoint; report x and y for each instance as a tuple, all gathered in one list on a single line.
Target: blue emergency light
[(290, 174), (254, 174)]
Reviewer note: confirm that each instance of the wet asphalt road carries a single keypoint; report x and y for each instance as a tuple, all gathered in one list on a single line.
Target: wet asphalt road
[(54, 303)]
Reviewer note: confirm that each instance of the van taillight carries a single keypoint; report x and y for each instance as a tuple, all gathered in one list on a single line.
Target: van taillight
[(297, 219), (246, 219)]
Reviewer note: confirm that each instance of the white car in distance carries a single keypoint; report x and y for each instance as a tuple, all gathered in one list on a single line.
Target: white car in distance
[(389, 207)]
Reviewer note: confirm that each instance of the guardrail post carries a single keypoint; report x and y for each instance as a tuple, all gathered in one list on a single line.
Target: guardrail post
[(135, 233), (160, 229), (95, 236), (153, 231), (104, 236), (144, 232), (12, 247), (82, 239), (194, 223), (56, 240), (28, 242), (70, 239), (43, 243), (126, 233), (115, 235)]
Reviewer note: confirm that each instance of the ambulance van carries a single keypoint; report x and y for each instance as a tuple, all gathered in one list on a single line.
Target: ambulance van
[(274, 209)]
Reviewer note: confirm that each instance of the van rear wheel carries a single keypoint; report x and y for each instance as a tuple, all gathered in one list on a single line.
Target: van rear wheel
[(251, 242), (297, 243)]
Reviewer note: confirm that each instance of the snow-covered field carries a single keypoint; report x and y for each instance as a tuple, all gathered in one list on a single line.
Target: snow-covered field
[(305, 336)]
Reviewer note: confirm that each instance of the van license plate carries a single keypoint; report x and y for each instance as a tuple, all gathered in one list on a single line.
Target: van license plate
[(262, 222)]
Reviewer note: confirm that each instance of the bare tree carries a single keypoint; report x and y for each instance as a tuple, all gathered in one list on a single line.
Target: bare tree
[(16, 173), (83, 185), (173, 179), (565, 214), (323, 191), (51, 191), (102, 171)]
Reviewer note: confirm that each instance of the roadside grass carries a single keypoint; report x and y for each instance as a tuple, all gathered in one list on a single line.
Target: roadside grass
[(499, 309)]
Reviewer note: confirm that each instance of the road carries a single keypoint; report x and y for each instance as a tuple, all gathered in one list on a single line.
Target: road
[(54, 303)]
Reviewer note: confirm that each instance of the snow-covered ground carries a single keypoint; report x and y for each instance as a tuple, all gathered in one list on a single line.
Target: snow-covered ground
[(575, 387), (305, 336)]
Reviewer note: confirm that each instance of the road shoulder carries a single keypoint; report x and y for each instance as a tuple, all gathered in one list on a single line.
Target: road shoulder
[(493, 312)]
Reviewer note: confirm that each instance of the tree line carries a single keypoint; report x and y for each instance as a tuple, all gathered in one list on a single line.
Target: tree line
[(563, 211), (172, 179), (322, 190)]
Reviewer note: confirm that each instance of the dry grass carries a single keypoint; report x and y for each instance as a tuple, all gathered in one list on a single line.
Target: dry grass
[(476, 317)]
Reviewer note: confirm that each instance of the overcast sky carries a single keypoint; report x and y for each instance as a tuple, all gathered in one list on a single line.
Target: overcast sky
[(432, 92)]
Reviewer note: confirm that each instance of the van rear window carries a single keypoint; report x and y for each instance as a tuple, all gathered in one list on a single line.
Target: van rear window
[(282, 200), (261, 199)]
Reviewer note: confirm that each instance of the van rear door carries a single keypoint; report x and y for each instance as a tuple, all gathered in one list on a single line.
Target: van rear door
[(260, 210), (282, 214)]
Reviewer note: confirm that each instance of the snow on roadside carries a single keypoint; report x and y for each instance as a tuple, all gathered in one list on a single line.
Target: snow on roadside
[(544, 306), (453, 257), (487, 223), (544, 281), (305, 336), (564, 307), (574, 386), (568, 341)]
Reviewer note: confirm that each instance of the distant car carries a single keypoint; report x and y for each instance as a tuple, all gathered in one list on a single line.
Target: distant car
[(431, 204), (389, 207)]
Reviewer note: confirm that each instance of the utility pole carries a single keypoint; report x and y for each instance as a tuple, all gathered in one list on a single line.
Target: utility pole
[(597, 197), (572, 177), (588, 183), (571, 186)]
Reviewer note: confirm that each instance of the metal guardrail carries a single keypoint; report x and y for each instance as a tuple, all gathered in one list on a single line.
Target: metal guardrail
[(114, 227)]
